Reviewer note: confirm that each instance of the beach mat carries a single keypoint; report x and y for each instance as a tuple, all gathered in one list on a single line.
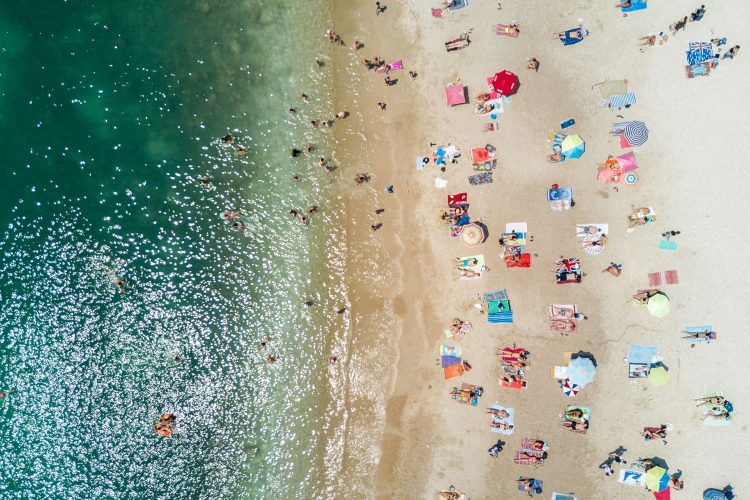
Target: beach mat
[(635, 5), (453, 371), (517, 384), (522, 260), (667, 245)]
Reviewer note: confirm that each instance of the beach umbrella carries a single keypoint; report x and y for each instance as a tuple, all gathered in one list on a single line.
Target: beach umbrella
[(714, 494), (505, 82), (631, 178), (573, 146), (659, 305), (455, 94), (636, 133), (657, 479), (472, 235), (626, 162), (664, 494), (581, 371), (658, 375), (570, 389)]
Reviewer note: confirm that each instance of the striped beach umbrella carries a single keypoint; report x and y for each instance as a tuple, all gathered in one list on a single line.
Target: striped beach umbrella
[(636, 133), (630, 178), (570, 389), (714, 494)]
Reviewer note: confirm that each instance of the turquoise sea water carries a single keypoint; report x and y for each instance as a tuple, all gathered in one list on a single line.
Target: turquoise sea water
[(109, 113)]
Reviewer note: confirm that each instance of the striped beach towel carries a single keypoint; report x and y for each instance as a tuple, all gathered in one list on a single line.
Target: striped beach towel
[(622, 101), (527, 444), (699, 52)]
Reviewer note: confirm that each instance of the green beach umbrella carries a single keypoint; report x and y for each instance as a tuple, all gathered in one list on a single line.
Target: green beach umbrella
[(572, 146), (657, 479), (659, 305), (658, 375)]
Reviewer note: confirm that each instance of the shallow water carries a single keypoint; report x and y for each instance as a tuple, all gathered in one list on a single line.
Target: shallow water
[(109, 113)]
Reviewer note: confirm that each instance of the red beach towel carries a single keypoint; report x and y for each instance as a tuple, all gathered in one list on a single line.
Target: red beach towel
[(457, 199), (523, 261), (670, 277), (654, 279), (624, 144)]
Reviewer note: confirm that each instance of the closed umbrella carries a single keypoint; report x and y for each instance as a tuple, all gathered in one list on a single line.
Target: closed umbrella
[(659, 305), (505, 82), (636, 133), (573, 146), (472, 235), (658, 375), (657, 479), (581, 371)]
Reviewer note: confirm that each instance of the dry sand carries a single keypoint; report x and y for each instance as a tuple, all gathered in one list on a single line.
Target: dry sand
[(693, 173)]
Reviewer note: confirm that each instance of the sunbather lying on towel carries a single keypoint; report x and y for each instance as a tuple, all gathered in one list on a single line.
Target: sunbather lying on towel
[(574, 414), (538, 445), (562, 312), (563, 325), (710, 400), (555, 157), (575, 426), (465, 272), (499, 413), (572, 36), (533, 459), (704, 335), (722, 416), (643, 297), (596, 243), (501, 425), (483, 109), (511, 30), (654, 432)]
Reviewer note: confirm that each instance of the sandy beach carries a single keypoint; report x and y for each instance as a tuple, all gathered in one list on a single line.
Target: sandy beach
[(690, 172)]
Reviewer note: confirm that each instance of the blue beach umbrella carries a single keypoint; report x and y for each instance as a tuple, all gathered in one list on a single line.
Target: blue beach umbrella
[(714, 494), (581, 371), (573, 146)]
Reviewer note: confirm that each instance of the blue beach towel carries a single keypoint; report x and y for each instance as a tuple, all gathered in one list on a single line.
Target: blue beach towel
[(635, 5), (622, 101), (667, 245), (568, 40)]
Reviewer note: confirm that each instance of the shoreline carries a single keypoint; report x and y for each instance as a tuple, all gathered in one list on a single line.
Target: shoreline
[(430, 442)]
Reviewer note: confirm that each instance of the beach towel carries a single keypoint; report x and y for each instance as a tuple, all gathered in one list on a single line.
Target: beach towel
[(496, 295), (622, 101), (458, 4), (562, 311), (700, 69), (700, 329), (450, 350), (522, 260), (508, 420), (536, 486), (612, 87), (505, 30), (479, 179), (517, 384), (560, 198), (635, 5), (567, 123), (498, 311), (438, 13), (654, 279), (670, 277), (457, 199), (667, 245), (569, 40), (632, 477), (518, 227), (715, 422), (455, 95), (521, 459), (624, 144), (468, 394), (453, 371), (699, 52), (527, 444), (568, 270)]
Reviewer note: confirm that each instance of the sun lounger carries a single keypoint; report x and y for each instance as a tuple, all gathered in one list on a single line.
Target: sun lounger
[(521, 459)]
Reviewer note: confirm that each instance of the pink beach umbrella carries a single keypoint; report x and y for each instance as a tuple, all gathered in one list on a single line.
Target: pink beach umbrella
[(455, 95)]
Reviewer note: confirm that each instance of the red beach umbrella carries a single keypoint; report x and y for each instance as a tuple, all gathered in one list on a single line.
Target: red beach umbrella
[(505, 82)]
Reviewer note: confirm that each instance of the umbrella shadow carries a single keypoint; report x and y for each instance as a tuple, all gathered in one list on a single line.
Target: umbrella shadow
[(587, 355), (485, 230)]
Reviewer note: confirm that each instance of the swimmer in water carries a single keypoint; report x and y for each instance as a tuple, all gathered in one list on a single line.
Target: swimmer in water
[(205, 182), (227, 140)]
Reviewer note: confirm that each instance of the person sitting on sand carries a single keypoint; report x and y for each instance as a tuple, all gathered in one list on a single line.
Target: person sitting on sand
[(648, 40), (538, 445), (642, 297), (482, 98), (533, 64), (526, 484), (360, 178), (555, 157), (613, 269)]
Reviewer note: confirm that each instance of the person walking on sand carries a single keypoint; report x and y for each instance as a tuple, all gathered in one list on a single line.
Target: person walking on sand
[(381, 105), (377, 226), (613, 269), (496, 448), (698, 14), (379, 8)]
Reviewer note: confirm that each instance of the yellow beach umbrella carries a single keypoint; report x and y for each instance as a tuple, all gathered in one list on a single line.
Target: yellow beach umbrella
[(658, 375)]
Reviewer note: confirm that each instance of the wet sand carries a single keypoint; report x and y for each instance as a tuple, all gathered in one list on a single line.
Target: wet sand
[(691, 173)]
